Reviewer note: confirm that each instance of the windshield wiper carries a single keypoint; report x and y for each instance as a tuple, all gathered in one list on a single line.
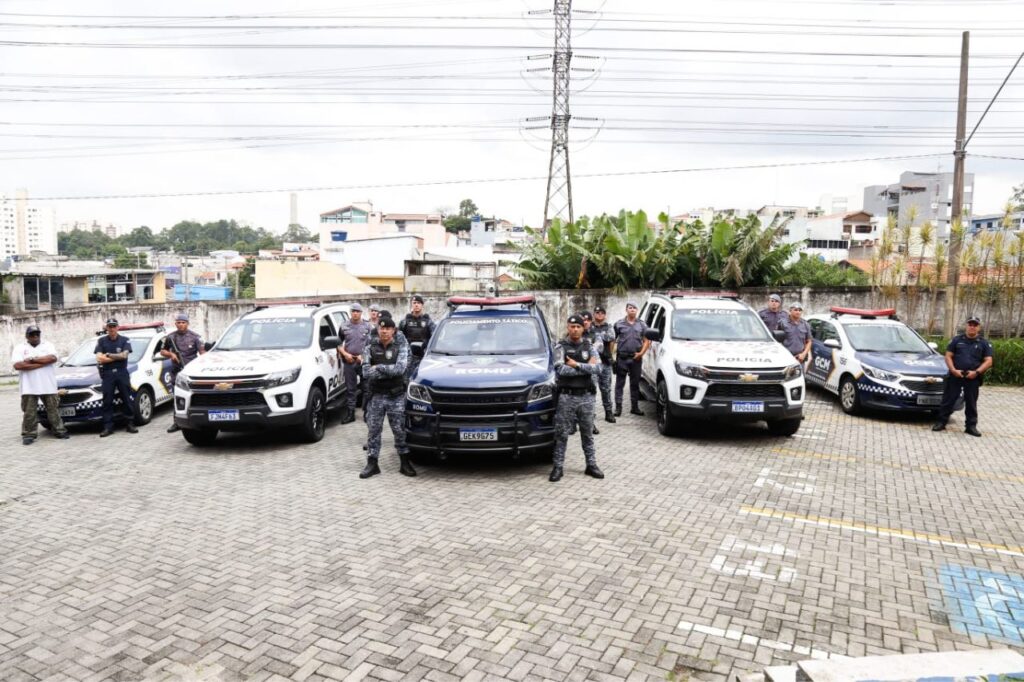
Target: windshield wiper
[(441, 352)]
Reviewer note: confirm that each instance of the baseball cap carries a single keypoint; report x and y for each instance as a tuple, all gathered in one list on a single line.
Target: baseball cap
[(973, 319), (599, 309), (356, 308), (796, 306), (576, 319), (775, 297), (374, 306), (386, 322), (32, 329), (181, 317), (111, 322), (417, 299), (631, 304)]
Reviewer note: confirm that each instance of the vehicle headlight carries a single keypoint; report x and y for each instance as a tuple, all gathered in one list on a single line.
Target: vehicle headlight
[(540, 392), (181, 382), (419, 392), (880, 374), (794, 371), (281, 378), (692, 371)]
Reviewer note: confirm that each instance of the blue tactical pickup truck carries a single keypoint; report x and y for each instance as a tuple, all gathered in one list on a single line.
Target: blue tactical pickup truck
[(486, 381)]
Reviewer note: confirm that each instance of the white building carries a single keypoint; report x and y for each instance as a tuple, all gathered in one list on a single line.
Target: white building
[(831, 236), (26, 227)]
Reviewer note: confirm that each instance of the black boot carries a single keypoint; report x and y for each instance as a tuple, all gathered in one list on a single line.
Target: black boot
[(406, 469), (348, 417), (596, 432), (131, 428), (973, 431), (556, 474), (173, 427), (609, 417), (594, 471), (939, 426), (371, 468), (636, 410), (618, 410)]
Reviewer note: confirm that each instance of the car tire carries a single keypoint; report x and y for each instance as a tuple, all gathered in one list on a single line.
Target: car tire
[(144, 406), (848, 398), (784, 427), (200, 437), (315, 422), (667, 424)]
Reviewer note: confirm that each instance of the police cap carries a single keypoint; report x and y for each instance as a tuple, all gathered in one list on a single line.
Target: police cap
[(576, 319), (111, 322), (386, 323), (599, 309), (417, 298), (973, 319), (586, 315)]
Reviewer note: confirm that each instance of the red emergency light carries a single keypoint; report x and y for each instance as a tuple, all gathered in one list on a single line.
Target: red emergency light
[(140, 325), (866, 314), (490, 300), (703, 294)]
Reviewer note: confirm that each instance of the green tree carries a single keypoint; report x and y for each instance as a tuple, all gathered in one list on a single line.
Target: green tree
[(810, 271), (737, 252), (131, 260), (468, 209), (297, 234), (1017, 199)]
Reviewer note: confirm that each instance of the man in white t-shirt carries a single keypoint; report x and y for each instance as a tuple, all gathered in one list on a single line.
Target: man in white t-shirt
[(34, 361)]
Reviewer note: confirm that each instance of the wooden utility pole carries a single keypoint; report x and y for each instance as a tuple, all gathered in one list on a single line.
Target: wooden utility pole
[(955, 228)]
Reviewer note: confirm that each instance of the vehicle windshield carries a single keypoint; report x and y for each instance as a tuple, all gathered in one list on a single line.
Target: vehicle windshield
[(489, 336), (705, 324), (885, 338), (268, 333), (85, 355)]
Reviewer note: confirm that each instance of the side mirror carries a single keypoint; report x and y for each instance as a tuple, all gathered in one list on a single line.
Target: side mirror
[(208, 345), (779, 335), (832, 343), (416, 348), (653, 335), (933, 345), (329, 343)]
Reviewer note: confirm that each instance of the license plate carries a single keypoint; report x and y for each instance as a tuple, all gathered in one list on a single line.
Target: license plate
[(478, 434), (66, 411), (929, 399), (223, 415), (753, 406)]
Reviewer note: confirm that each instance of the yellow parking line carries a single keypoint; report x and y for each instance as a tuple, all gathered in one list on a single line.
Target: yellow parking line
[(927, 468), (882, 531)]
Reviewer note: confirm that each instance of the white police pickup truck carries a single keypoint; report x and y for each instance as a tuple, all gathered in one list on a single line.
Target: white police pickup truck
[(712, 357), (276, 366)]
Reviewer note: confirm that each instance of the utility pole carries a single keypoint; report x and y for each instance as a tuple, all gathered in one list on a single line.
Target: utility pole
[(558, 202), (955, 228)]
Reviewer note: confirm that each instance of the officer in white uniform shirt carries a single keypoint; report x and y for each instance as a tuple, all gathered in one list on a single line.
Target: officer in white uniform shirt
[(34, 361)]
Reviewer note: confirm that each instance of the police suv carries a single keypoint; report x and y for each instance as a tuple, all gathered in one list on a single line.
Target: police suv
[(712, 357), (80, 390), (486, 381), (276, 366), (872, 360)]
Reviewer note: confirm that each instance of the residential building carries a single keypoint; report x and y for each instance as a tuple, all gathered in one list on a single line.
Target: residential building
[(377, 261), (26, 227), (474, 269), (57, 284), (832, 236), (930, 195), (360, 221), (492, 231), (796, 217), (289, 278), (1013, 222)]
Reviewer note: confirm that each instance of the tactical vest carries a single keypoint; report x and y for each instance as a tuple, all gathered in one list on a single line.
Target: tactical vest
[(379, 355), (416, 328), (580, 352)]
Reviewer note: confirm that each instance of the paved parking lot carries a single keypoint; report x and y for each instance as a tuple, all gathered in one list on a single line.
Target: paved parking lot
[(139, 557)]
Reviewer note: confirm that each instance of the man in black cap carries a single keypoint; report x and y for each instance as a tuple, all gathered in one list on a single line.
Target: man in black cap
[(773, 315), (575, 368), (418, 328), (34, 360), (630, 348), (968, 357), (601, 330), (112, 351), (181, 346), (385, 372)]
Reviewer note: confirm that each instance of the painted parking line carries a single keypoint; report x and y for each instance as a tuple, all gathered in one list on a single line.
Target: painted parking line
[(737, 635), (924, 468), (881, 531)]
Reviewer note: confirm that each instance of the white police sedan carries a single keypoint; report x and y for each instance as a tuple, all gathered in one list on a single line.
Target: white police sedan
[(871, 360)]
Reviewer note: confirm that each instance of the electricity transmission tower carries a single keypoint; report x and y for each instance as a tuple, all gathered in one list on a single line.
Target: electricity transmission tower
[(558, 202)]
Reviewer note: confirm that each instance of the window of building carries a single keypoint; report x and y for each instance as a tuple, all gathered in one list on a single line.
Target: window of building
[(382, 288), (863, 229), (41, 293)]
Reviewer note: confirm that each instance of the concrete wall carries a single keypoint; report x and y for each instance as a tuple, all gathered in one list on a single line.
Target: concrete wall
[(68, 328)]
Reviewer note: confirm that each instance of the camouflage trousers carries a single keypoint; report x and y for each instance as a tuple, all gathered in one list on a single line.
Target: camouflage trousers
[(382, 405), (30, 415), (575, 409), (603, 379)]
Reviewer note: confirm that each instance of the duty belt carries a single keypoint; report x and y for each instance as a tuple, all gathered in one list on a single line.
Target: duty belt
[(576, 391)]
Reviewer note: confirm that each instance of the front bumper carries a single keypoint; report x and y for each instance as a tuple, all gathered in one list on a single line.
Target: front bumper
[(877, 396), (80, 406), (717, 398), (249, 419), (722, 409), (256, 410), (516, 433)]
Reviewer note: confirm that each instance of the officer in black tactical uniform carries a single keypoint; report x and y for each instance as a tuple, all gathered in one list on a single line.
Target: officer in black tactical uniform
[(385, 372), (968, 357), (601, 330), (418, 328), (575, 368)]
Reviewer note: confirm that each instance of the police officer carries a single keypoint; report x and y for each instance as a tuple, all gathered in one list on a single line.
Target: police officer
[(601, 330), (182, 346), (630, 348), (575, 368), (386, 371), (773, 315), (598, 345), (418, 328), (112, 351), (798, 333), (968, 357), (355, 334)]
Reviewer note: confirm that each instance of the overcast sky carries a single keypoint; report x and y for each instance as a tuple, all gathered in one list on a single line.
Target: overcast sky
[(354, 93)]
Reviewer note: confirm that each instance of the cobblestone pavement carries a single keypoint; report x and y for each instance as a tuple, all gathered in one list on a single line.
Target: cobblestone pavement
[(140, 557)]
